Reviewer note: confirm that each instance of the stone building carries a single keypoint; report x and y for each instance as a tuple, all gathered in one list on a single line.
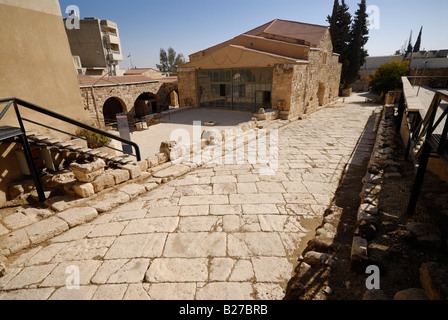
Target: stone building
[(284, 65), (135, 95)]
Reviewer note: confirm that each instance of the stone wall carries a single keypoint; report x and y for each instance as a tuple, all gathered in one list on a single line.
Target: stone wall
[(282, 87), (306, 87), (298, 87), (95, 98), (324, 74), (187, 80), (427, 74)]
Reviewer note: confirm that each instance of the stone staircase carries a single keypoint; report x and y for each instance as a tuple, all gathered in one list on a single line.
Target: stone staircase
[(57, 145)]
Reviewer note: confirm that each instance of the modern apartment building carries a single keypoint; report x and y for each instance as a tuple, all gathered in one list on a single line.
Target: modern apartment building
[(97, 43)]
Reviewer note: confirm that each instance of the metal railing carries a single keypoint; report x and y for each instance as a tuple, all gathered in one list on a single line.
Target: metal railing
[(21, 133), (434, 140)]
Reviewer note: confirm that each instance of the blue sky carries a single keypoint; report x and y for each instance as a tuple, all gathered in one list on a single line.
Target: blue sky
[(191, 25)]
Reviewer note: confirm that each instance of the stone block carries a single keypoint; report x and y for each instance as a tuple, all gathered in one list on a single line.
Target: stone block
[(132, 189), (134, 171), (77, 216), (107, 202), (153, 161), (69, 188), (173, 171), (3, 269), (143, 165), (160, 167), (424, 233), (14, 242), (163, 157), (102, 182), (46, 229), (15, 190), (411, 294), (84, 190), (359, 247), (120, 176), (89, 171), (434, 280), (317, 258)]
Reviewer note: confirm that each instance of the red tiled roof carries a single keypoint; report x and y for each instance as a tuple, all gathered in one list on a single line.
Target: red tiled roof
[(85, 81), (139, 71), (168, 79), (311, 33)]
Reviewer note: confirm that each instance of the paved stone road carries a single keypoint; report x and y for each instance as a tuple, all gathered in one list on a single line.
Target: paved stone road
[(219, 232)]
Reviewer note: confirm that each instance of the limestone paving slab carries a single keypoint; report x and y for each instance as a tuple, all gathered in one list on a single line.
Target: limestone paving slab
[(172, 291), (221, 231), (137, 246), (177, 270), (196, 245)]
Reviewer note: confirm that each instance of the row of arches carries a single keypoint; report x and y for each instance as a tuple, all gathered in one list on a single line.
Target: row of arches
[(147, 103)]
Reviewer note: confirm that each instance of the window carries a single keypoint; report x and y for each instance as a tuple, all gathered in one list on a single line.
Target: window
[(236, 89), (242, 90), (222, 90)]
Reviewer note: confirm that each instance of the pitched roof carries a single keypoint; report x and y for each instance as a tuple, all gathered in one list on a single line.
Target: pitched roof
[(138, 71), (311, 33), (88, 81)]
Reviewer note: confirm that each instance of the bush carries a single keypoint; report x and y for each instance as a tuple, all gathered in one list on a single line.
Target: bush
[(388, 76), (94, 137)]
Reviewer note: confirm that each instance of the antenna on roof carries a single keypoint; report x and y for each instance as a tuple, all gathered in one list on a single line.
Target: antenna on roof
[(132, 64)]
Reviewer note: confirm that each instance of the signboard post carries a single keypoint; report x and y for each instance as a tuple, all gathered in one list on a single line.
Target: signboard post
[(123, 129)]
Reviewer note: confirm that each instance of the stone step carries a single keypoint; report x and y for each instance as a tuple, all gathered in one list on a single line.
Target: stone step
[(32, 133), (66, 144), (40, 137), (95, 152), (52, 141), (74, 148), (102, 155), (109, 157)]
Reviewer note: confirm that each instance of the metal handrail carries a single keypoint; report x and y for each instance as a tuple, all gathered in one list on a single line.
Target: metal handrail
[(430, 144), (70, 134), (24, 140), (58, 116)]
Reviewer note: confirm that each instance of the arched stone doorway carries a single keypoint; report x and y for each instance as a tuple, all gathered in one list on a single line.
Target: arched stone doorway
[(111, 107), (321, 94), (146, 103)]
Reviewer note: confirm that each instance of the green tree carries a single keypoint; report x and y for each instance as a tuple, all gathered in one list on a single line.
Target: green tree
[(409, 48), (170, 61), (418, 43), (388, 76), (358, 39), (340, 22)]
